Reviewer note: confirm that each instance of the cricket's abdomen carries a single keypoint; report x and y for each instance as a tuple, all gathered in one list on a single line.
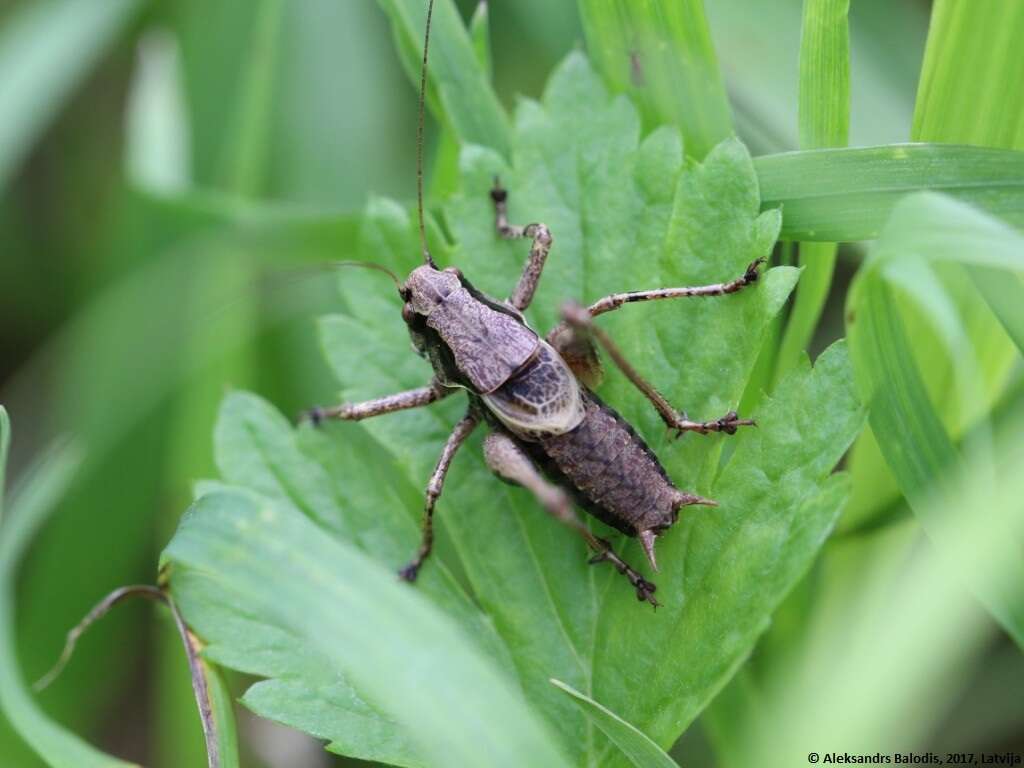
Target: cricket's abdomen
[(610, 470)]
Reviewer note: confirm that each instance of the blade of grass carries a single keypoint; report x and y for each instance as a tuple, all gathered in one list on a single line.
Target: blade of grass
[(33, 503), (460, 94), (229, 342), (840, 195), (46, 49), (915, 443), (660, 53), (247, 155), (480, 34), (824, 121), (156, 135), (824, 114), (757, 44), (970, 91), (972, 79), (633, 742), (883, 681)]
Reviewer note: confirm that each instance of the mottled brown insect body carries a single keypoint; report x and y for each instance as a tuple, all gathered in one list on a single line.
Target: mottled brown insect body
[(611, 472), (548, 431)]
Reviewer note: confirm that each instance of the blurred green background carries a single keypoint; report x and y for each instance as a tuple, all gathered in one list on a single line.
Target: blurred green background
[(142, 274)]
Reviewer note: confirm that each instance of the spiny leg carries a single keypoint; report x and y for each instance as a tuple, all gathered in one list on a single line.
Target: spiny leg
[(580, 319), (458, 436), (527, 285), (509, 462), (577, 349), (401, 401), (616, 300)]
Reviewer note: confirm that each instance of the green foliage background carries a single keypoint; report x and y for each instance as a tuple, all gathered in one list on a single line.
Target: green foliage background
[(174, 173)]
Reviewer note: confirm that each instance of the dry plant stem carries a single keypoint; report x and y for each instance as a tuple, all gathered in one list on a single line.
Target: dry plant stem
[(189, 640)]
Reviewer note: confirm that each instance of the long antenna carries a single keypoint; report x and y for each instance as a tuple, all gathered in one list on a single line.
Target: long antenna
[(419, 140)]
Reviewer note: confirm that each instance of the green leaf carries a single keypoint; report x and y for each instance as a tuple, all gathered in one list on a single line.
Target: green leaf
[(462, 97), (34, 502), (824, 120), (917, 445), (777, 505), (626, 214), (581, 169), (824, 74), (640, 750), (972, 78), (661, 54), (256, 447), (333, 607), (46, 48), (837, 195)]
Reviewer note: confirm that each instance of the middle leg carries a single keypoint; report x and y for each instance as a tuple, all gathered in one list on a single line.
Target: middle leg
[(580, 320), (458, 436)]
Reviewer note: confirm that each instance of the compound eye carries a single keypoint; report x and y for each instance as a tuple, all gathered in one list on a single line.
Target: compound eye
[(408, 313)]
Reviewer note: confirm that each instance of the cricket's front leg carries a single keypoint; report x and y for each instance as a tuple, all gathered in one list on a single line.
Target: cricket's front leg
[(455, 440), (581, 321), (509, 462), (528, 281), (401, 401)]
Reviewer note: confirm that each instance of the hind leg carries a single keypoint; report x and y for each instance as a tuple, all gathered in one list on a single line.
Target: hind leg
[(509, 462)]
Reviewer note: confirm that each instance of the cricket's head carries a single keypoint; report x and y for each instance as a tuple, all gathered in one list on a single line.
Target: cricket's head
[(427, 288), (470, 339)]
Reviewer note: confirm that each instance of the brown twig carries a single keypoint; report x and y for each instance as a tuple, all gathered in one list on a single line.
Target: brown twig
[(192, 650)]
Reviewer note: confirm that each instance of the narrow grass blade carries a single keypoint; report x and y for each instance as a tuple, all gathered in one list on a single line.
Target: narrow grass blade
[(824, 121), (372, 629), (480, 34), (660, 53), (824, 117), (633, 742), (1005, 296), (887, 681), (970, 91), (460, 93), (246, 159), (839, 195), (33, 503), (912, 437), (157, 151), (972, 79), (46, 48)]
